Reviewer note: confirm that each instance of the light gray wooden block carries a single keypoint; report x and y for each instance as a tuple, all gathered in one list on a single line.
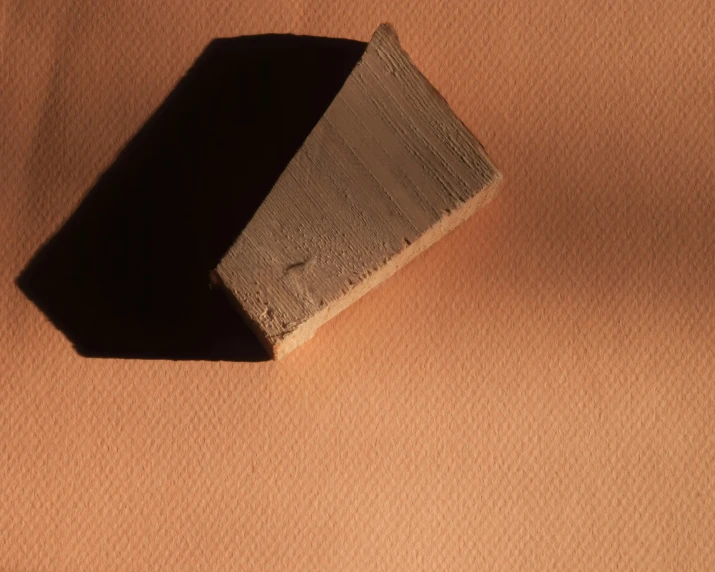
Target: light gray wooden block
[(385, 173)]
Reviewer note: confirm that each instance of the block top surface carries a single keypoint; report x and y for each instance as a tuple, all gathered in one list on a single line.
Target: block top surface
[(385, 163)]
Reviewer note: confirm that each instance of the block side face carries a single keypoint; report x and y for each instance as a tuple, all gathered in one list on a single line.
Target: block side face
[(386, 162)]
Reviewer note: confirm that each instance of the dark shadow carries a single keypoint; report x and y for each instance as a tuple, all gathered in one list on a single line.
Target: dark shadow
[(128, 274)]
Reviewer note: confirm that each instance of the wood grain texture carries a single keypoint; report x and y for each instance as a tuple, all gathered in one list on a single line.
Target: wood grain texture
[(386, 172)]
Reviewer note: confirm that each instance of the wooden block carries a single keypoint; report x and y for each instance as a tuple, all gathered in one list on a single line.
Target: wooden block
[(385, 173)]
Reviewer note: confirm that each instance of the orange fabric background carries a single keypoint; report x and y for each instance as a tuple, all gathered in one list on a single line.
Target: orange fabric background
[(534, 392)]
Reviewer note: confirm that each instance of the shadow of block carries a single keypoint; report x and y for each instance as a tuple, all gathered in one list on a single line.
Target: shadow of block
[(127, 276)]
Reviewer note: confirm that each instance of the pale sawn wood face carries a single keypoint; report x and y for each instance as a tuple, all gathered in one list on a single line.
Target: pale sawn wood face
[(385, 173)]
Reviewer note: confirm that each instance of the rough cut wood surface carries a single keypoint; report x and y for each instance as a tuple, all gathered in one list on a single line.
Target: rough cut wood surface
[(385, 173)]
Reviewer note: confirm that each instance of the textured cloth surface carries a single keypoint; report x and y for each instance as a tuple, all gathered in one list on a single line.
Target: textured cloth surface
[(536, 391)]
